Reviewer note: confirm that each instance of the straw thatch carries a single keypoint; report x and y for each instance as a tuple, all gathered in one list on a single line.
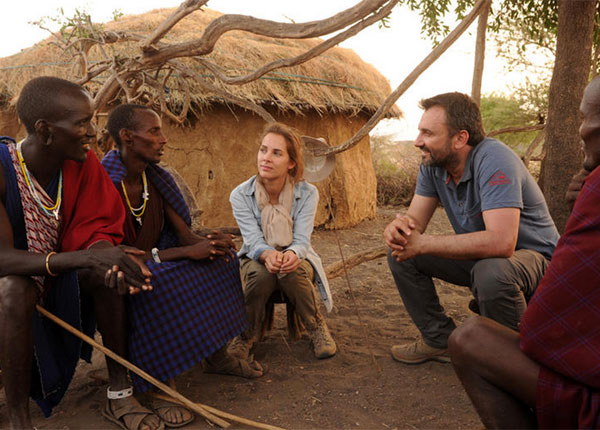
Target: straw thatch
[(337, 81)]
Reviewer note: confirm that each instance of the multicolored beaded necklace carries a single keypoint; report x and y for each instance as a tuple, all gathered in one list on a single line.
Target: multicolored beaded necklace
[(48, 210), (138, 212)]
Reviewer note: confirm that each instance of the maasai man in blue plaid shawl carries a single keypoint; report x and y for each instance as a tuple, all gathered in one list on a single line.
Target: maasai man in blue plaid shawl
[(197, 304)]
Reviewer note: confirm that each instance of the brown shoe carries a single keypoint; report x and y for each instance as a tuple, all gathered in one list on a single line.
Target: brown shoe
[(322, 342), (240, 347), (419, 352)]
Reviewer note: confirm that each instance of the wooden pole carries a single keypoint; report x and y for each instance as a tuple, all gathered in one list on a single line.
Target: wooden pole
[(480, 53), (340, 267), (171, 392)]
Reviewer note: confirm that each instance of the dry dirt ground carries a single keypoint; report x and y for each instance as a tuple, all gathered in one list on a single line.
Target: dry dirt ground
[(360, 388)]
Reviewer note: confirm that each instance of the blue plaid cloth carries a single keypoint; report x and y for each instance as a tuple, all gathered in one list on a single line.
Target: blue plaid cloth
[(195, 307)]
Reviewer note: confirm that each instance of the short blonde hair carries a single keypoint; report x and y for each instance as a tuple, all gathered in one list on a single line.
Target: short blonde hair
[(293, 145)]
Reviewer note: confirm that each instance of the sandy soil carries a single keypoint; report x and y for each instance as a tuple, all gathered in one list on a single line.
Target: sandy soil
[(361, 387)]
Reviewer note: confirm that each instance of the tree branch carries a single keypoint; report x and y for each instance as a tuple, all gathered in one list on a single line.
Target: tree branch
[(532, 146), (515, 129), (480, 53), (184, 9), (247, 104), (337, 269), (263, 27), (408, 81), (293, 61)]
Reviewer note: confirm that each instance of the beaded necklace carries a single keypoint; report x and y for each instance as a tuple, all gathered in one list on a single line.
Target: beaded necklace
[(48, 210), (138, 212)]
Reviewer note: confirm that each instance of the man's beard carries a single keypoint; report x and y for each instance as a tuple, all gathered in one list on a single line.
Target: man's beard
[(446, 159)]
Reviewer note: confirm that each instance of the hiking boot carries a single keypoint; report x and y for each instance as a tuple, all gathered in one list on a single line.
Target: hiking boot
[(240, 347), (419, 352), (322, 342)]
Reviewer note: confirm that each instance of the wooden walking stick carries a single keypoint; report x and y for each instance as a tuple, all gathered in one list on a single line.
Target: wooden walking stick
[(187, 403), (222, 414)]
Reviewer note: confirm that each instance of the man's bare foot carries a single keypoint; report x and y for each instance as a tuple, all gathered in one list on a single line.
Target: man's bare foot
[(172, 414)]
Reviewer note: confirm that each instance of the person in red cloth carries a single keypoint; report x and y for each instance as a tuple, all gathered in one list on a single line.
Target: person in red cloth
[(548, 374), (60, 221)]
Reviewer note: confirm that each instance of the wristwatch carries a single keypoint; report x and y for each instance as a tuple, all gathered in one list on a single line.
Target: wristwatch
[(155, 256)]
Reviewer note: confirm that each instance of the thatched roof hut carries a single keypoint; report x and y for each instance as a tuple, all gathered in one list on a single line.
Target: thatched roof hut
[(329, 96)]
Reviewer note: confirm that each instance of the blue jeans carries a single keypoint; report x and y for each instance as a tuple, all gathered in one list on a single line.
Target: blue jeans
[(501, 286)]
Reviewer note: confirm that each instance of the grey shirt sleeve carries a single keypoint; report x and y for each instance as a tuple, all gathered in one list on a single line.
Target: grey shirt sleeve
[(500, 179), (425, 184)]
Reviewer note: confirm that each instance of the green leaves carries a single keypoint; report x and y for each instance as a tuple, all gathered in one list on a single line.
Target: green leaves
[(77, 26), (499, 111), (538, 17)]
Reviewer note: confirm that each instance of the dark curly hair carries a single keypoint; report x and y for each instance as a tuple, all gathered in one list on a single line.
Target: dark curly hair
[(462, 113)]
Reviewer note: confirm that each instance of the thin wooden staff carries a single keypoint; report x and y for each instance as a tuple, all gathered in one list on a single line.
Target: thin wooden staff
[(200, 410), (221, 414)]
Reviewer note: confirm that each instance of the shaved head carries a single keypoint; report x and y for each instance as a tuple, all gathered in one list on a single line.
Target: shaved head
[(42, 98), (590, 127), (591, 94), (124, 117)]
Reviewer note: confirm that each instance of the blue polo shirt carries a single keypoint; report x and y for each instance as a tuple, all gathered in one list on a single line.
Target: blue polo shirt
[(494, 177)]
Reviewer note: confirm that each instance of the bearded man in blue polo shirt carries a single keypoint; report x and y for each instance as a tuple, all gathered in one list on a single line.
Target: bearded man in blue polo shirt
[(504, 235)]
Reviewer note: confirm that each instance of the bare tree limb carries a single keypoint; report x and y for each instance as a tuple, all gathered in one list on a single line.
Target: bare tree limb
[(263, 27), (184, 9), (92, 74), (247, 104), (480, 53), (109, 37), (106, 92), (515, 129), (293, 61), (337, 269), (408, 81), (532, 147)]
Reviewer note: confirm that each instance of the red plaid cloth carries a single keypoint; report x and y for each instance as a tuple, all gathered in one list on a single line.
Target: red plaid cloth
[(91, 211), (41, 229), (561, 327)]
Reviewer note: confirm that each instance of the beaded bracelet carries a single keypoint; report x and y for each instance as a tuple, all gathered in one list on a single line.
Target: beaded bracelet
[(50, 254)]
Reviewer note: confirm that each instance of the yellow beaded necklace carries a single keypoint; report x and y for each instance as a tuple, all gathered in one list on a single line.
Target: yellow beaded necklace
[(138, 212)]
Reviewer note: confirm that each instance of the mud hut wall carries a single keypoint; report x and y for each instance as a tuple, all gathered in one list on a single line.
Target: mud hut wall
[(351, 191), (10, 124), (219, 152)]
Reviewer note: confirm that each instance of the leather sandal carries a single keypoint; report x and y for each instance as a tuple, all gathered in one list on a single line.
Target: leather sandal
[(127, 407), (234, 366)]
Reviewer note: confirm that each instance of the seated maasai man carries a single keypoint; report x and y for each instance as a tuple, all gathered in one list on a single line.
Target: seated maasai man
[(550, 370), (60, 219), (197, 304)]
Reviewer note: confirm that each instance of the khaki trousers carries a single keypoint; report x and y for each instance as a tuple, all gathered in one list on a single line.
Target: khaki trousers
[(298, 287), (501, 286)]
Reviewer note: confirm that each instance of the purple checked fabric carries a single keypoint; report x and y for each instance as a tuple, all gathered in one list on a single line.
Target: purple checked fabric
[(561, 327), (195, 306)]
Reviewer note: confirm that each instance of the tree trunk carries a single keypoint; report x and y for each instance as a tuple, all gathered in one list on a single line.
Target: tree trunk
[(480, 54), (569, 79)]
